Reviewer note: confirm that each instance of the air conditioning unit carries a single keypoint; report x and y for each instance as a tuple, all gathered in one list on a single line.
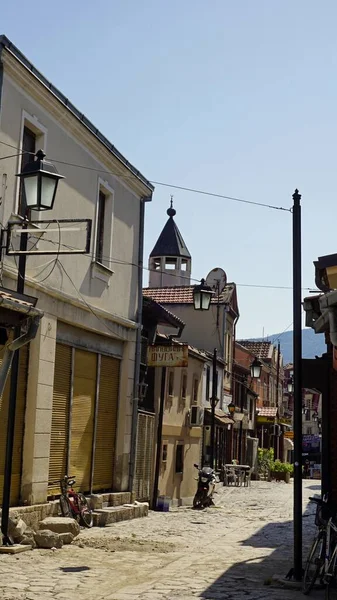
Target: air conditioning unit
[(196, 416)]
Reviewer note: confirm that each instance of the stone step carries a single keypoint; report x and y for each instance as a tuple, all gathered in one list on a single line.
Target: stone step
[(114, 514), (99, 501)]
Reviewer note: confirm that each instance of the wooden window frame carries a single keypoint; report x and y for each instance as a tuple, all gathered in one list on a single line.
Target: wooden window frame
[(184, 377), (179, 471), (164, 444), (170, 382), (195, 387), (101, 211)]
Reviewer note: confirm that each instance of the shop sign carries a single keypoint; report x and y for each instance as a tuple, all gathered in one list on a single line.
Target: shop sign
[(284, 421), (311, 443), (289, 434), (265, 419), (168, 356)]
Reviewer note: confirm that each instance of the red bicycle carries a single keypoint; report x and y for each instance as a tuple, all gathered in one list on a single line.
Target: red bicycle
[(74, 504)]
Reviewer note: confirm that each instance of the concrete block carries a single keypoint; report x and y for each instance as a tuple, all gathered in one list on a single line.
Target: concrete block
[(48, 539), (66, 538), (60, 525), (96, 501), (14, 549), (120, 498)]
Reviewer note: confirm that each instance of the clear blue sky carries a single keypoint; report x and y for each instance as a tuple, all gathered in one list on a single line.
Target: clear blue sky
[(238, 98)]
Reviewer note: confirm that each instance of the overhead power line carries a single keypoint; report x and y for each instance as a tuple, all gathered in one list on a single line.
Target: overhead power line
[(161, 183)]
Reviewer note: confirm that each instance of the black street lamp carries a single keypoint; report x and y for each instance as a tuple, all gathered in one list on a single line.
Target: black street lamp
[(40, 181), (213, 402), (231, 408), (290, 386), (202, 295), (256, 368)]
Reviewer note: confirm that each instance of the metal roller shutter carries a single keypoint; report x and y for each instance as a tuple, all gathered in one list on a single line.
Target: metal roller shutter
[(144, 456), (60, 418), (19, 427), (82, 417), (106, 423)]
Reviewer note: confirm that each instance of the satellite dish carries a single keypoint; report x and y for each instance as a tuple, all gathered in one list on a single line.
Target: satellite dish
[(217, 279)]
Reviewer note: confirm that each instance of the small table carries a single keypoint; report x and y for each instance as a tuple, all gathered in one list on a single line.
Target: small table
[(240, 470)]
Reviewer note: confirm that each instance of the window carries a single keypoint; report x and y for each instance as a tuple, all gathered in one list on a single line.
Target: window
[(309, 430), (28, 148), (100, 227), (208, 381), (170, 387), (195, 391), (179, 457), (183, 264), (164, 452), (170, 263), (183, 386), (104, 222), (250, 408), (307, 415), (156, 264)]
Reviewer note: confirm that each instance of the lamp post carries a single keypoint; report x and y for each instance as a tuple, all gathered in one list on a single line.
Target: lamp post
[(297, 360), (255, 373), (39, 185), (290, 386), (214, 401), (256, 368), (202, 296)]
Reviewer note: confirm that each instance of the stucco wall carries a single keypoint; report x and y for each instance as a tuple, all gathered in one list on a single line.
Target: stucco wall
[(180, 486), (76, 198)]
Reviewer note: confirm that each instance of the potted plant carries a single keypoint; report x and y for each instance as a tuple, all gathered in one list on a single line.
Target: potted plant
[(281, 471), (265, 459)]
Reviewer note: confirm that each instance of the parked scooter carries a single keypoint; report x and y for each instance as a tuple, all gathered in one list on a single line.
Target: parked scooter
[(206, 484)]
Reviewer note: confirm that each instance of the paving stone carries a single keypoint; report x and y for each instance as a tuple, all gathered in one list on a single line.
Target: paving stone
[(224, 553)]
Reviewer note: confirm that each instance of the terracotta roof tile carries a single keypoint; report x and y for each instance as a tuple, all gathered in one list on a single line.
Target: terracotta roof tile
[(263, 350), (267, 411), (184, 294)]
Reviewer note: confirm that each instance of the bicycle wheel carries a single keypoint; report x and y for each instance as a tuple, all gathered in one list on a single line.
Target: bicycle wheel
[(314, 562), (65, 507), (86, 516), (331, 575)]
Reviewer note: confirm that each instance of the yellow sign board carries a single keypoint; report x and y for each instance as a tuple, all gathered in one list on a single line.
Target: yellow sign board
[(289, 434), (168, 356)]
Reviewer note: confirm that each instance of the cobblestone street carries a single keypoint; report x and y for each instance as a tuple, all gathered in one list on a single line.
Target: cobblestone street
[(226, 552)]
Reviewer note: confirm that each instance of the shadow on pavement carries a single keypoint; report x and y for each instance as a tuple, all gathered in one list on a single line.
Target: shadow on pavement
[(274, 542)]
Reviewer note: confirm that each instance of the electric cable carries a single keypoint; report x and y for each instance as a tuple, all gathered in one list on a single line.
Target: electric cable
[(164, 184)]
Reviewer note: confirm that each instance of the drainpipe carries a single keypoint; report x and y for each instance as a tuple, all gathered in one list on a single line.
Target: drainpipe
[(138, 344)]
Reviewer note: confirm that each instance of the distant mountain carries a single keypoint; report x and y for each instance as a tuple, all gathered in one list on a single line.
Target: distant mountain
[(312, 344)]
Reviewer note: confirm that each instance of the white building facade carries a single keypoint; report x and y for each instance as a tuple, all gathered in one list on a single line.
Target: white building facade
[(78, 378)]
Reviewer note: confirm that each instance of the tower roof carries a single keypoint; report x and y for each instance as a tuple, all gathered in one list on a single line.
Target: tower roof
[(170, 241)]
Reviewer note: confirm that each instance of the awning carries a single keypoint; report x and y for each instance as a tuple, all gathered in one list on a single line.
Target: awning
[(220, 416), (288, 444)]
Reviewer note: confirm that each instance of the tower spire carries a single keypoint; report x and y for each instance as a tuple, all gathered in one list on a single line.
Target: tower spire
[(171, 211)]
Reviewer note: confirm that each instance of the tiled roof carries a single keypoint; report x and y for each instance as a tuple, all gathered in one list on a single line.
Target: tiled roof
[(183, 294), (163, 315), (267, 411), (263, 350)]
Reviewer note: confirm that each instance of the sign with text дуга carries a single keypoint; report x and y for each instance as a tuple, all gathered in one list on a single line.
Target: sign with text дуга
[(167, 356)]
